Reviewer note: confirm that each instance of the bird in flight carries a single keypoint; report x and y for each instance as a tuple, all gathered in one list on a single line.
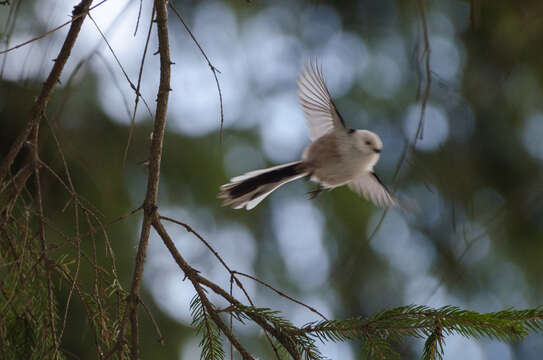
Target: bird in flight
[(336, 156)]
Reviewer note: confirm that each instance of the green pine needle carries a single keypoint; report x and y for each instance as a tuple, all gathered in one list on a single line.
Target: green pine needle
[(211, 343)]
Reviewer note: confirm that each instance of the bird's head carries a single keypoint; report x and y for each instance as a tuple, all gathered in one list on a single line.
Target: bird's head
[(369, 144)]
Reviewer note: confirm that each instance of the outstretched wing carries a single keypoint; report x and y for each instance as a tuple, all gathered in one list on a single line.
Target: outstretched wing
[(319, 109), (373, 189)]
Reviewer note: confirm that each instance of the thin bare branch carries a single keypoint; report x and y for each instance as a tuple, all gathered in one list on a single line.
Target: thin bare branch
[(120, 65), (160, 338), (280, 293), (8, 31), (139, 17), (428, 78), (214, 70), (423, 97), (140, 74), (40, 105), (74, 18)]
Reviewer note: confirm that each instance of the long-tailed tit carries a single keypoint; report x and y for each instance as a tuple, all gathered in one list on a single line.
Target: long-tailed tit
[(336, 156)]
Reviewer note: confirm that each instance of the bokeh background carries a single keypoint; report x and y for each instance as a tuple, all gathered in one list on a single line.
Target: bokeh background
[(472, 237)]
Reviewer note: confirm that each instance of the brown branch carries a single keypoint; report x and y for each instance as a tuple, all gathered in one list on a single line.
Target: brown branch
[(231, 317), (283, 338), (233, 273), (150, 203), (191, 230), (192, 275), (79, 13)]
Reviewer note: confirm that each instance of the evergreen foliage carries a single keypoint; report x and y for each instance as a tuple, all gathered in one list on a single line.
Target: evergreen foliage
[(380, 332), (211, 343)]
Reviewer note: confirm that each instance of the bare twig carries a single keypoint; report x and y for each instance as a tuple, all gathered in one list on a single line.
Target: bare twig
[(139, 17), (200, 237), (120, 65), (469, 245), (8, 31), (77, 229), (428, 83), (214, 70), (280, 293), (116, 83), (40, 105), (155, 323), (420, 127), (43, 241), (140, 74), (75, 17), (231, 318), (68, 84), (424, 97), (20, 262)]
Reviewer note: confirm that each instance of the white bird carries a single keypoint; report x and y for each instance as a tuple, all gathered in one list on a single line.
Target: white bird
[(336, 155)]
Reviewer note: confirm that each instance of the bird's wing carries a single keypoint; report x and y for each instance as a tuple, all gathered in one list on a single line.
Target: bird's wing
[(319, 109), (373, 189)]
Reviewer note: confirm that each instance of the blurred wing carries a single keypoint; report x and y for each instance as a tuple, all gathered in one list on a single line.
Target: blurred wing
[(373, 189), (319, 109)]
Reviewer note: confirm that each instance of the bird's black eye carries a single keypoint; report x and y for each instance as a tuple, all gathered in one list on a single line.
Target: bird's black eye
[(368, 142)]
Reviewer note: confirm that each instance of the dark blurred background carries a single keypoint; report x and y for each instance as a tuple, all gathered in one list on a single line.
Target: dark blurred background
[(472, 237)]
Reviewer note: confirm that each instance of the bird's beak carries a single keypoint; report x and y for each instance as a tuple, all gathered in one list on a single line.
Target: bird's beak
[(377, 150)]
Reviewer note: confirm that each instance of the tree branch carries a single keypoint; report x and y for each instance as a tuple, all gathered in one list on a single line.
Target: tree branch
[(79, 13), (192, 275), (198, 280), (150, 203)]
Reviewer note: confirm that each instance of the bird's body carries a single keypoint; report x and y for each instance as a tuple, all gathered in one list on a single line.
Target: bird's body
[(336, 156), (334, 159)]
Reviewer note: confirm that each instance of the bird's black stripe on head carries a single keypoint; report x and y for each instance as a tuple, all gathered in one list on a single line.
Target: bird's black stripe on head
[(269, 177), (350, 131)]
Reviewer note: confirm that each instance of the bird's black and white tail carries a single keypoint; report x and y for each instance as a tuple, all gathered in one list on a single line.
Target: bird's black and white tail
[(249, 189)]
